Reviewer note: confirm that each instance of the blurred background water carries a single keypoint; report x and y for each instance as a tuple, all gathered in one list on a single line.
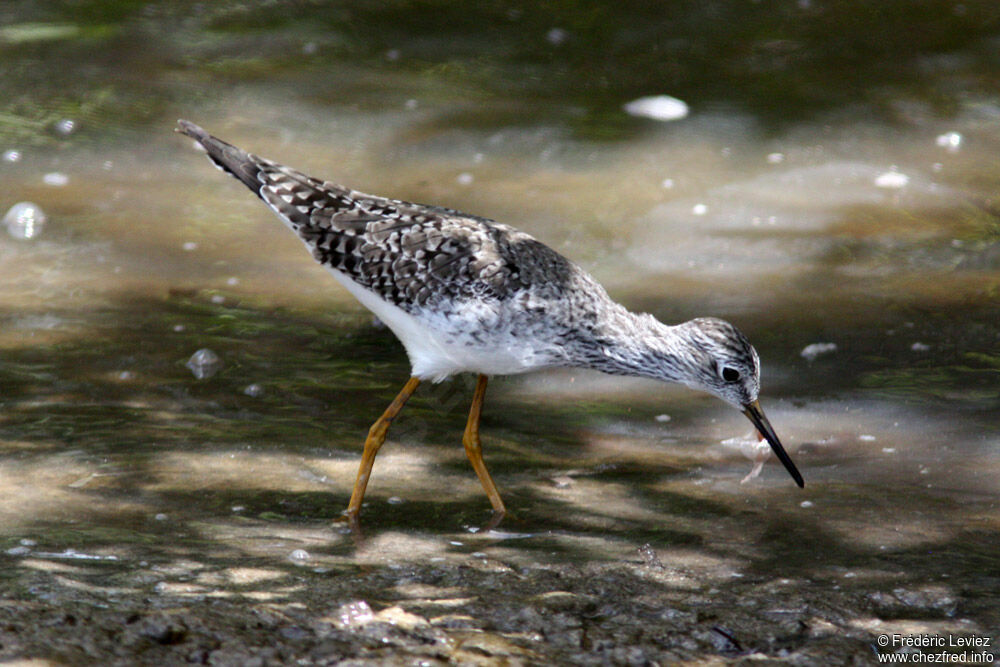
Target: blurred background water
[(827, 180)]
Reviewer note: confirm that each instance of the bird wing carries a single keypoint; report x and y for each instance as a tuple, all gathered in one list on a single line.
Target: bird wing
[(409, 254)]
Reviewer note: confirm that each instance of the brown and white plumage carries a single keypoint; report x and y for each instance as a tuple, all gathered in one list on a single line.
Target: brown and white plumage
[(466, 294)]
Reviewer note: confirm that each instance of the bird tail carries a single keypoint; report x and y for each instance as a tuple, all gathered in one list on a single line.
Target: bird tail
[(234, 161)]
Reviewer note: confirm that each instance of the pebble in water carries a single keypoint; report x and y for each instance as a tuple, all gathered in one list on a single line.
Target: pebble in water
[(657, 107), (556, 36), (11, 156), (253, 390), (204, 363), (299, 555), (353, 614), (24, 220)]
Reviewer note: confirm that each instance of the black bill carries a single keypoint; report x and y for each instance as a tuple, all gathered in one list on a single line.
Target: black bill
[(756, 415)]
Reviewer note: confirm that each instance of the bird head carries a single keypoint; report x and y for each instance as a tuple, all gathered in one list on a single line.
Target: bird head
[(721, 361)]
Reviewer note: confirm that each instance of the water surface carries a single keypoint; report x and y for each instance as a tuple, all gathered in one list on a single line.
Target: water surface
[(820, 191)]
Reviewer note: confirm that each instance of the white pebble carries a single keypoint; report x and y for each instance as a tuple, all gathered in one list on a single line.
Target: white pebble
[(353, 614), (657, 107), (394, 500), (55, 178), (699, 209), (189, 246), (160, 517), (218, 298), (465, 178), (299, 555), (775, 158), (24, 220), (232, 282), (892, 180), (667, 183), (920, 347), (813, 350), (888, 450), (864, 437), (806, 504), (253, 390), (411, 104), (662, 418), (11, 156)]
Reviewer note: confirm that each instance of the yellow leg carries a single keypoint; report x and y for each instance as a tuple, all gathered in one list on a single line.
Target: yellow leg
[(376, 436), (475, 452)]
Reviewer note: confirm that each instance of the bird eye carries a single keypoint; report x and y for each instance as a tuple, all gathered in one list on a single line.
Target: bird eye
[(730, 374)]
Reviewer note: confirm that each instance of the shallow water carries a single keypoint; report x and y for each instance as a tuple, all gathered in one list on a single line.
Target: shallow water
[(125, 477)]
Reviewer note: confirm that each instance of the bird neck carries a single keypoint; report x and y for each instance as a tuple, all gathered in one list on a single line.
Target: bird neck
[(637, 344)]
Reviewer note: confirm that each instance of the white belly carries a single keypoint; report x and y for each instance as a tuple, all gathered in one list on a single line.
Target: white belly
[(433, 354)]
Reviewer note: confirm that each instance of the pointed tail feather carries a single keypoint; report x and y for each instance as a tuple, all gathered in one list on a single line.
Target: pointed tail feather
[(232, 160)]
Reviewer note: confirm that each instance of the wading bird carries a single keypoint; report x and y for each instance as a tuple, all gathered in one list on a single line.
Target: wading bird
[(465, 294)]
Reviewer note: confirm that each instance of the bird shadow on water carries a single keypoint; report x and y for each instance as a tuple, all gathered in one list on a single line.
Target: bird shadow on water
[(131, 483)]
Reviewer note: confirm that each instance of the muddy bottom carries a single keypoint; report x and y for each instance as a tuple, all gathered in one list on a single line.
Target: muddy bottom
[(473, 608)]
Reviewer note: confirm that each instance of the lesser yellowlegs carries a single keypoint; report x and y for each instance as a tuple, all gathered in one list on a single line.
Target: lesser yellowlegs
[(467, 294)]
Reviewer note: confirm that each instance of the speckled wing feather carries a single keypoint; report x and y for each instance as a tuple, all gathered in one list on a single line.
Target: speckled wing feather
[(411, 255)]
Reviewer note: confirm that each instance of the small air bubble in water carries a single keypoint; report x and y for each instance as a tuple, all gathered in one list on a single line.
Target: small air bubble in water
[(204, 363), (11, 156), (65, 127), (950, 141), (253, 390), (24, 220)]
